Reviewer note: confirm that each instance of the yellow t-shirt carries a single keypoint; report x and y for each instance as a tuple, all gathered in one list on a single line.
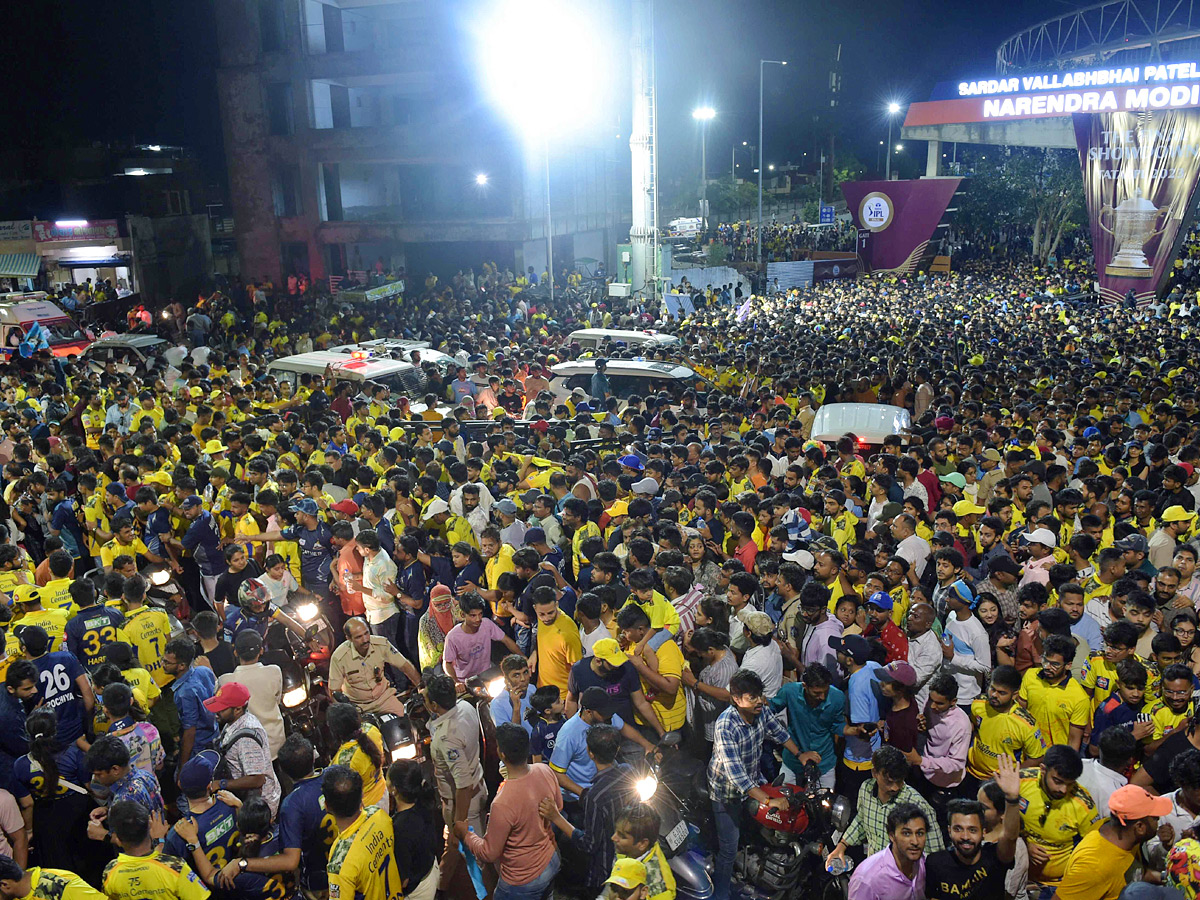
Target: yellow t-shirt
[(1055, 707), (350, 754), (660, 610), (149, 630), (154, 877), (587, 530), (999, 734), (53, 620), (57, 594), (1164, 719), (362, 862), (558, 648), (115, 548), (1100, 676), (671, 711), (59, 884), (493, 569), (1096, 870), (1054, 829)]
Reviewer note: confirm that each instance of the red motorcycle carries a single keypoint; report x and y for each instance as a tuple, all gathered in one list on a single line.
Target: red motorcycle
[(785, 858)]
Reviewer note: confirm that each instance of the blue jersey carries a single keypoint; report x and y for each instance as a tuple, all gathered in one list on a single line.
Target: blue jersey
[(304, 825), (255, 886), (541, 742), (217, 834), (28, 780), (158, 522), (91, 630), (60, 692), (203, 538), (315, 552), (238, 620)]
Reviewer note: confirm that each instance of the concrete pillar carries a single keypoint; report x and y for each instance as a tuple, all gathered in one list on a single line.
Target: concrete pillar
[(933, 159)]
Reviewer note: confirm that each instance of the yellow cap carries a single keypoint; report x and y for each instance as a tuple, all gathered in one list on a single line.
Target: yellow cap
[(160, 478), (627, 873), (610, 651), (196, 391), (967, 508), (214, 446), (619, 508), (30, 593)]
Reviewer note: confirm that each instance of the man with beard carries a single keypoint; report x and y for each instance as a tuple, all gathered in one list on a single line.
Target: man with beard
[(1003, 728), (970, 869), (924, 649), (819, 625), (1055, 813)]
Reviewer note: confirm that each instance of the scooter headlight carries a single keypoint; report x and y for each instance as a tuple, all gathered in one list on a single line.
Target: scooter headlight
[(646, 787), (306, 612), (295, 697), (495, 687), (160, 577), (404, 751)]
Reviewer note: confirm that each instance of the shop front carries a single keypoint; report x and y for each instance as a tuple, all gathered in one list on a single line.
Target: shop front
[(76, 251)]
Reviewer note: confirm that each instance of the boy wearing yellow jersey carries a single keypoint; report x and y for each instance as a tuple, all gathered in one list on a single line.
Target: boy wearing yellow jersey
[(1099, 677), (141, 869)]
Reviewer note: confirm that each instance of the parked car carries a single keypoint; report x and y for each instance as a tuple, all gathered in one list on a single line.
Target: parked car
[(126, 350), (869, 422), (597, 338), (629, 377)]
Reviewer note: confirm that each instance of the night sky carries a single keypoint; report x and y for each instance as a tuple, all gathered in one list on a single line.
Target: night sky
[(146, 70)]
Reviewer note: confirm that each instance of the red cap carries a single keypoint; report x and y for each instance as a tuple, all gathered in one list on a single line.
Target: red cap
[(541, 425), (230, 695), (348, 507)]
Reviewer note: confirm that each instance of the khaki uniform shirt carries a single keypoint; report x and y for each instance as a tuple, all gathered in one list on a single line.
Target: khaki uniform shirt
[(364, 678)]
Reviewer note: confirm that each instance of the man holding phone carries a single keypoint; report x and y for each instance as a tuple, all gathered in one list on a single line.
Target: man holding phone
[(863, 714)]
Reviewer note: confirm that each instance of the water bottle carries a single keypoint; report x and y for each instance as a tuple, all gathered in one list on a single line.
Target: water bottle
[(839, 865)]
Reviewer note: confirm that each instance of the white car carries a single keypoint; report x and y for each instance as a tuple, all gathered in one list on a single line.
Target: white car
[(398, 348), (126, 350), (869, 422), (597, 338), (627, 377)]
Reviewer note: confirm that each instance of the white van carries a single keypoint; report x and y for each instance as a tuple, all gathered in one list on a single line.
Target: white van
[(596, 338), (627, 377), (18, 312), (403, 349), (869, 422), (403, 378)]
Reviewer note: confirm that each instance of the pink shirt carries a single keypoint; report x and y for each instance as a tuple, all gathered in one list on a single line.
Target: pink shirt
[(470, 654), (517, 836)]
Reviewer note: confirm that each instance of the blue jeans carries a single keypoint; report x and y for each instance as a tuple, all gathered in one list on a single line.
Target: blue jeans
[(533, 890), (727, 817)]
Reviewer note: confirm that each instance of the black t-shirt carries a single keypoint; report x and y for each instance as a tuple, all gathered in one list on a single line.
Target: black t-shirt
[(948, 879), (229, 582), (418, 844), (619, 685), (220, 658), (1158, 766)]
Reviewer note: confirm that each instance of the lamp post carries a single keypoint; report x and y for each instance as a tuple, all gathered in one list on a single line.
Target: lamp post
[(892, 109), (704, 115), (761, 64)]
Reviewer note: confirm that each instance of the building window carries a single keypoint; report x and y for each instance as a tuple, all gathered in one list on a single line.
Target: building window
[(279, 107), (285, 189), (270, 25), (178, 203)]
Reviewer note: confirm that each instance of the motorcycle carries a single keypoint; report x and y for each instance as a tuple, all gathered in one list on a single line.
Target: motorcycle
[(785, 857), (664, 784), (481, 690)]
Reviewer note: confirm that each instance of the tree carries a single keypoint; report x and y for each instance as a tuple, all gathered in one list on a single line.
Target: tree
[(1039, 191)]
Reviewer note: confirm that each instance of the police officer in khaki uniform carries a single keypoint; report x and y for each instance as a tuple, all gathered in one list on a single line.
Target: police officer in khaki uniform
[(358, 668), (454, 734)]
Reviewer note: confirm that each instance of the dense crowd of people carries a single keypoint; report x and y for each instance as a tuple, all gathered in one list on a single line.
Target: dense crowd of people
[(783, 241), (982, 631)]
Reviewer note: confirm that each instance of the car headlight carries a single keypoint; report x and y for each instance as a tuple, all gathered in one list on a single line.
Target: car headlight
[(495, 687), (160, 577), (646, 787), (405, 751), (306, 612), (295, 697)]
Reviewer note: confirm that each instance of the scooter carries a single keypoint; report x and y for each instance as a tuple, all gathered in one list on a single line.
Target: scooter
[(679, 839), (785, 858)]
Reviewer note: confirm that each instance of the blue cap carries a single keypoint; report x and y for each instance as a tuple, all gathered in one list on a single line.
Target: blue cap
[(117, 489), (198, 771), (1091, 432), (882, 599), (191, 502), (631, 461), (308, 506), (535, 536)]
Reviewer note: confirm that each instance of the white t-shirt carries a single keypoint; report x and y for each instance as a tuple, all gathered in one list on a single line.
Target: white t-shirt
[(768, 663), (279, 590), (588, 639)]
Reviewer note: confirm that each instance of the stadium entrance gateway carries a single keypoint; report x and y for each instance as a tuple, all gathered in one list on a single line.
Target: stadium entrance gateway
[(1137, 132)]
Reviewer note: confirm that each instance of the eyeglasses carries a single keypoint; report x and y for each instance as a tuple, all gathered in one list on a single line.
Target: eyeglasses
[(1185, 631)]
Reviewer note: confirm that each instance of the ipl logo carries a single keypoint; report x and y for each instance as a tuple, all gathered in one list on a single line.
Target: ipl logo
[(875, 212)]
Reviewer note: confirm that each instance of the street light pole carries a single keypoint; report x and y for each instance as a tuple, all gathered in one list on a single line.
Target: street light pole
[(761, 63), (704, 115), (549, 224), (892, 109)]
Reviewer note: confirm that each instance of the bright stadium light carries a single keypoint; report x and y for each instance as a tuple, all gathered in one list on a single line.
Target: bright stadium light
[(893, 108), (481, 179), (704, 113), (557, 80)]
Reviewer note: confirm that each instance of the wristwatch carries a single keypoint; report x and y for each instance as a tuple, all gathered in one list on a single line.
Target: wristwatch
[(242, 863), (192, 848), (223, 784)]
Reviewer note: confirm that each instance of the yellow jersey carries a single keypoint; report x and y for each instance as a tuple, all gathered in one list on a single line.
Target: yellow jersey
[(154, 877), (1100, 676), (351, 755), (149, 630), (1014, 734), (671, 711), (587, 530), (1055, 707), (115, 548), (1054, 825), (53, 620), (1164, 719), (659, 610), (362, 864), (59, 884), (57, 594)]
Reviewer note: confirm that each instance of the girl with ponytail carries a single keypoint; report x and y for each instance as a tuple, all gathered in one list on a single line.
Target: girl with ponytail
[(360, 746)]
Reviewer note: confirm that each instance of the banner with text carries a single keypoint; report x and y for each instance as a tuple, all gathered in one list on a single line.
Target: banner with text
[(897, 219), (1139, 176)]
